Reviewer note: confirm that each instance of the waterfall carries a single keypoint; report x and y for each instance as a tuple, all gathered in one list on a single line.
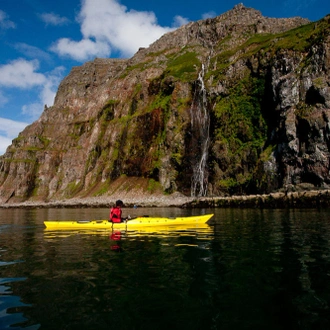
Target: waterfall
[(200, 126)]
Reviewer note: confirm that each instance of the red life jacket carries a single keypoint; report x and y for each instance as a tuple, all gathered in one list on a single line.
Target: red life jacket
[(115, 214)]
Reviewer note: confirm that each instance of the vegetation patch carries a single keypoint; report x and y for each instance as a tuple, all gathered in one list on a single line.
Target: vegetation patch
[(221, 62), (140, 67), (303, 110), (299, 39), (45, 141), (241, 131), (153, 186), (103, 189), (183, 65), (108, 111), (72, 189), (266, 153)]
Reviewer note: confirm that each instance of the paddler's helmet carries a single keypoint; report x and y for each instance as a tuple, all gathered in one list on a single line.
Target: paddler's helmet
[(119, 203)]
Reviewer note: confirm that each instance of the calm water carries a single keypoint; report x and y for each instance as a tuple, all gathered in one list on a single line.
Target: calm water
[(254, 269)]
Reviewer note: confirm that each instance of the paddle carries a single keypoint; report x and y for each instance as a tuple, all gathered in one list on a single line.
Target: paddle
[(128, 218)]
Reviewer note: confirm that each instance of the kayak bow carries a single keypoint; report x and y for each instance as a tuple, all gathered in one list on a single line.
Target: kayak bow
[(136, 223)]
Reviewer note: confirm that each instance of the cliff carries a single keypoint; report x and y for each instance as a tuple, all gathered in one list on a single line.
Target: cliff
[(237, 104)]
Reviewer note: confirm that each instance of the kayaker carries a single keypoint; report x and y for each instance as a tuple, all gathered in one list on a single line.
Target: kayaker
[(116, 212)]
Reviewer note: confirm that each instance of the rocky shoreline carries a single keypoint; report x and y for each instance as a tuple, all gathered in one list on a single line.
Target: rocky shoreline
[(301, 199)]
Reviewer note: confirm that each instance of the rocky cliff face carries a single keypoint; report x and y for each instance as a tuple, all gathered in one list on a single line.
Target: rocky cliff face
[(237, 104)]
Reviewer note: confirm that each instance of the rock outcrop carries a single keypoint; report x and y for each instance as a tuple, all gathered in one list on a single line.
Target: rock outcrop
[(237, 104)]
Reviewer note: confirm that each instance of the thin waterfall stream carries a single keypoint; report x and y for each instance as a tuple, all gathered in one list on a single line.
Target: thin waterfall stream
[(200, 125)]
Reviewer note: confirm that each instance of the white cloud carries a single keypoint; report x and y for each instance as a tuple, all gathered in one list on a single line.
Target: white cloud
[(9, 130), (46, 94), (21, 73), (53, 19), (4, 143), (4, 22), (179, 21), (81, 50), (33, 110), (106, 25)]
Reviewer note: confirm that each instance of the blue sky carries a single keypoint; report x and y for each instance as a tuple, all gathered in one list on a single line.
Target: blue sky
[(41, 40)]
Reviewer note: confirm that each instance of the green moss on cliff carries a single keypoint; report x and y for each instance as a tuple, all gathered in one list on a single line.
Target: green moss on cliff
[(153, 186), (239, 113), (303, 110), (102, 189), (107, 112), (240, 132), (183, 66), (261, 45), (44, 140), (72, 189), (265, 180)]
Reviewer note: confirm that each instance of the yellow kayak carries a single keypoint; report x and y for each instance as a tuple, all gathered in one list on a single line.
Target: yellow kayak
[(136, 223)]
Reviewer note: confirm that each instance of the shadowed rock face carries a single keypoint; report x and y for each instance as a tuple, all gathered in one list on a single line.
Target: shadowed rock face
[(266, 101)]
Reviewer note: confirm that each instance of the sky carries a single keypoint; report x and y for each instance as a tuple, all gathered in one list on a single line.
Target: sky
[(41, 40)]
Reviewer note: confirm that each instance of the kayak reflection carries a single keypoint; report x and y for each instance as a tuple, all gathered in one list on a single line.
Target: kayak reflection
[(115, 236), (203, 232), (200, 231)]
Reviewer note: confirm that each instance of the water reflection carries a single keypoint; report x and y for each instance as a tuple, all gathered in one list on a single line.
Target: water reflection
[(115, 236), (252, 269), (11, 306)]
